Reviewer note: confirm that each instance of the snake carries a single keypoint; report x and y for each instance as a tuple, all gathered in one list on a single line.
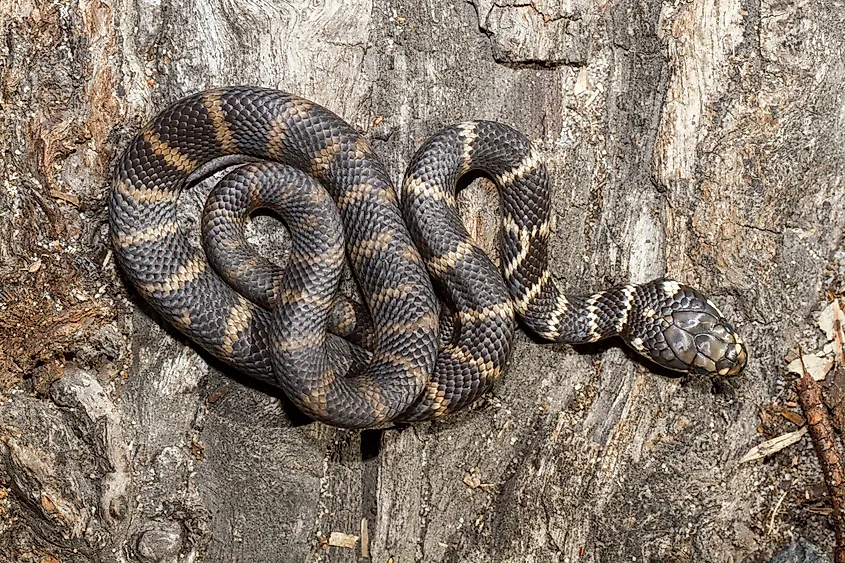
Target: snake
[(436, 326)]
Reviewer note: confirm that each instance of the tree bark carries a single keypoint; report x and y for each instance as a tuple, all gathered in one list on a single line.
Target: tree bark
[(699, 140)]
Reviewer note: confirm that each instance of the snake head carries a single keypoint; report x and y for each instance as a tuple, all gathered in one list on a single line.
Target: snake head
[(693, 336), (705, 343)]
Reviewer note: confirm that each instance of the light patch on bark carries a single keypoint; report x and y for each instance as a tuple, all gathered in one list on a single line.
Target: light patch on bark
[(700, 37)]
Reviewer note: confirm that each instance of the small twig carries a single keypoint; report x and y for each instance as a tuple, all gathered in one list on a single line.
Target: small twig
[(827, 451), (774, 514)]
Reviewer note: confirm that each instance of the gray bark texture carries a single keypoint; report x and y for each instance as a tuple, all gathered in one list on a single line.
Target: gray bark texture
[(702, 140)]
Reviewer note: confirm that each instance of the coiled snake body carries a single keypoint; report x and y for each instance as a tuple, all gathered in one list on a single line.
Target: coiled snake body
[(396, 243)]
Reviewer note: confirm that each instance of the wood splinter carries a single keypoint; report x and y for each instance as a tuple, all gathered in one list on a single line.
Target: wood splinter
[(827, 450)]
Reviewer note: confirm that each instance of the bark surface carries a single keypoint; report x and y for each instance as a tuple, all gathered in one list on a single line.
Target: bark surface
[(700, 140)]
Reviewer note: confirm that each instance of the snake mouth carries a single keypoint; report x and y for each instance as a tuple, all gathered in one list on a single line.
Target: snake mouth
[(733, 360)]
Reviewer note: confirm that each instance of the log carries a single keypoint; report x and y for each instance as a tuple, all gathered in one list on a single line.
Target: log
[(702, 141)]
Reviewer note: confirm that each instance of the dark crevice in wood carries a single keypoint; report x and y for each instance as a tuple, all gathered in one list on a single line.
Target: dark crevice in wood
[(370, 450)]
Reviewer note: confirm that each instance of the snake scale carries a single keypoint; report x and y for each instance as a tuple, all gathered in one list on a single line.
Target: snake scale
[(405, 247)]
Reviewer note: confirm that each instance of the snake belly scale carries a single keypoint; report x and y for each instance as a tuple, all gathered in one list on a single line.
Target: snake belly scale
[(401, 245)]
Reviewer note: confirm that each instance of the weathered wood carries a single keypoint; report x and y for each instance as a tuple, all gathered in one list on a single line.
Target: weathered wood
[(700, 140)]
